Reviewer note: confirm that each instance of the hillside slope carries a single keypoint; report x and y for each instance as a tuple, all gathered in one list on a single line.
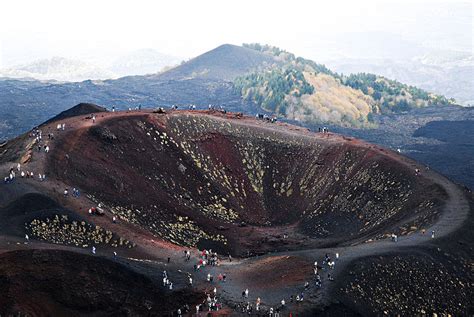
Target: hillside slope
[(248, 79), (303, 90), (273, 195), (224, 63)]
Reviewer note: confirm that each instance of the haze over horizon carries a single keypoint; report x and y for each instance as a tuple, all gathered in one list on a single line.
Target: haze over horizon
[(98, 31)]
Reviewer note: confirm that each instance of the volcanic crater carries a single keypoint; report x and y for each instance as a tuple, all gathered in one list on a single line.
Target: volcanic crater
[(274, 196), (242, 186)]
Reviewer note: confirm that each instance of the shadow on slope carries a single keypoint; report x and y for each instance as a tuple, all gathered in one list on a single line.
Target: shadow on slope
[(53, 282)]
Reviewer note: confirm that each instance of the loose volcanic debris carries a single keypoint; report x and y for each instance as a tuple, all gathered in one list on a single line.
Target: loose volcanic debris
[(191, 174), (244, 187), (411, 285), (61, 230)]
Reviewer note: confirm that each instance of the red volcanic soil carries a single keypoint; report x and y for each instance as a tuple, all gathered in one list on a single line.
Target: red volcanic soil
[(189, 180), (276, 272), (229, 179)]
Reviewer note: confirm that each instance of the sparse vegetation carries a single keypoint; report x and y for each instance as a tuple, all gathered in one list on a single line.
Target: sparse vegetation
[(61, 230)]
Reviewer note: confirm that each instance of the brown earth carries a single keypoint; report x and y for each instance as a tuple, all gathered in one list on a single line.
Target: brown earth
[(203, 179)]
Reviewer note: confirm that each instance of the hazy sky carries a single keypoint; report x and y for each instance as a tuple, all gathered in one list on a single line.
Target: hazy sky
[(98, 30)]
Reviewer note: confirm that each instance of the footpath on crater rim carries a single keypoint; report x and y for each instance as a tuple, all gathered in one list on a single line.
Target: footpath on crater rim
[(264, 200)]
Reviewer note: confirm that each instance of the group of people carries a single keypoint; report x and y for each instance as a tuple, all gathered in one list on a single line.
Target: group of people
[(207, 257), (212, 301), (217, 108), (264, 117), (13, 172), (38, 135), (323, 130), (166, 281)]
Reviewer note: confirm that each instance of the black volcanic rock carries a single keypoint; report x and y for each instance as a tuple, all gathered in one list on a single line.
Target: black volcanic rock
[(77, 110)]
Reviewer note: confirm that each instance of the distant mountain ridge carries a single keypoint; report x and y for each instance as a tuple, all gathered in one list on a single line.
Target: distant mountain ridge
[(211, 78), (449, 73), (61, 69), (57, 68), (224, 63)]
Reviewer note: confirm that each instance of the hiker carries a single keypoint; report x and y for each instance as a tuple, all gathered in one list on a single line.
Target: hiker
[(171, 286), (115, 255), (169, 259), (337, 256), (164, 280), (114, 219), (246, 293), (113, 108), (58, 127), (432, 234), (66, 192), (318, 280), (179, 312), (46, 149), (208, 277), (63, 126), (93, 250), (93, 118), (18, 167), (283, 303), (27, 238), (190, 281), (306, 285), (331, 265)]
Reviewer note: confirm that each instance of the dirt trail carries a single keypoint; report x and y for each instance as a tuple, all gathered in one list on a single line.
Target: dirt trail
[(455, 212), (155, 251)]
